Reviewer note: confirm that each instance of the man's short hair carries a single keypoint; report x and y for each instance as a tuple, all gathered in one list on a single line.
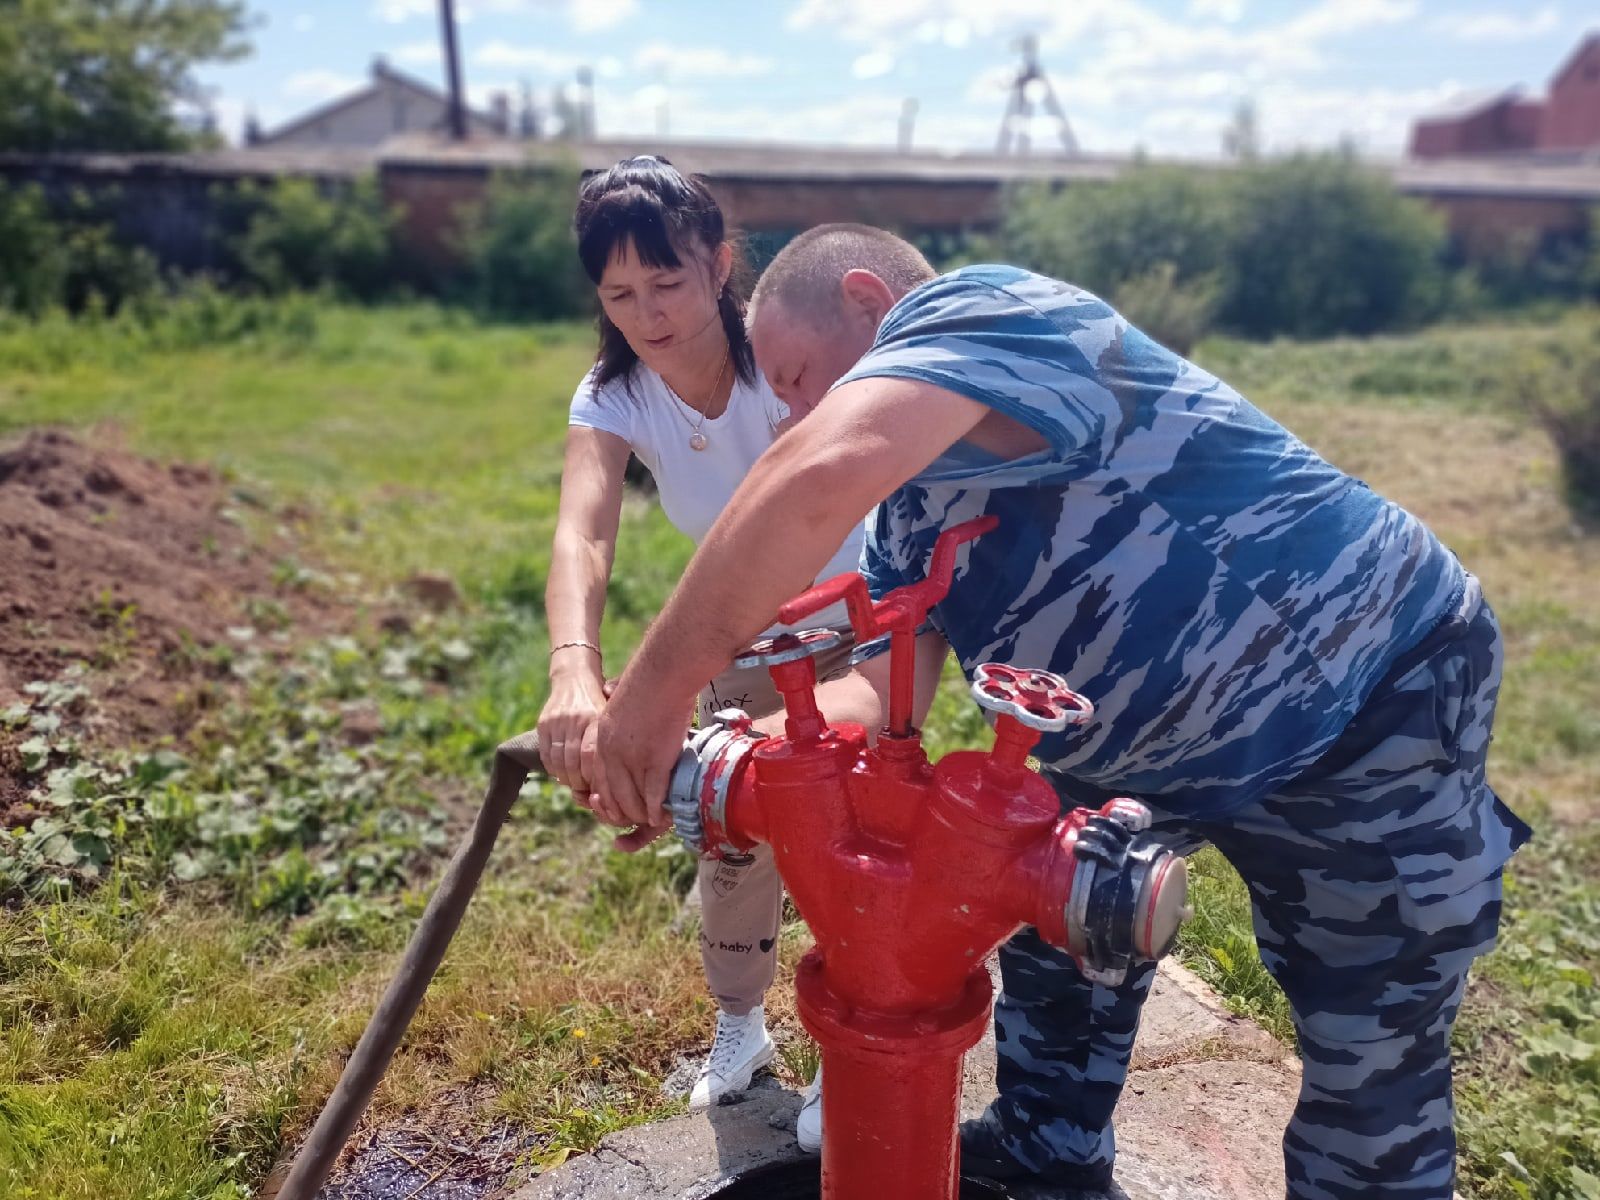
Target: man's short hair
[(805, 275)]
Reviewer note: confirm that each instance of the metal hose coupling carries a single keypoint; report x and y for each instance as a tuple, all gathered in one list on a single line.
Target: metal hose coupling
[(1117, 896), (697, 795)]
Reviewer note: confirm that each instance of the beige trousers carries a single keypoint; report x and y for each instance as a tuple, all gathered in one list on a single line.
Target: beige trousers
[(742, 904)]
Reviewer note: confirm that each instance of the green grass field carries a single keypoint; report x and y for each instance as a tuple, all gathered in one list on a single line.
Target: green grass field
[(164, 1032)]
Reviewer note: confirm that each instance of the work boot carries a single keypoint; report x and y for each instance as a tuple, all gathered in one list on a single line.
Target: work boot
[(983, 1156), (742, 1046), (808, 1129)]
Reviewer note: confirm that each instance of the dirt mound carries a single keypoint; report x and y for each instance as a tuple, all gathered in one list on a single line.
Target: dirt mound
[(138, 570)]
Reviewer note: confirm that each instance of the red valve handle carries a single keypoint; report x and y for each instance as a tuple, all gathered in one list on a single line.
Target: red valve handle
[(1039, 699), (900, 613), (1026, 704), (904, 608)]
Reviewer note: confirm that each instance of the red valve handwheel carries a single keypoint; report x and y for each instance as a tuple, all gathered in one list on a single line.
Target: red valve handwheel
[(1038, 699), (787, 647)]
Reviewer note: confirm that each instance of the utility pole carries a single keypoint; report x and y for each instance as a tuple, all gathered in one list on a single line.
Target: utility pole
[(452, 68), (908, 123), (585, 104), (1031, 81)]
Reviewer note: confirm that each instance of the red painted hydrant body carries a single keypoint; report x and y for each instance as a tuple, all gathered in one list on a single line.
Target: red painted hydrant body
[(910, 874)]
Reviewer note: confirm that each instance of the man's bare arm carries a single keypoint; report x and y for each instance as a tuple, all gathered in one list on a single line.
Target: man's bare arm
[(782, 525)]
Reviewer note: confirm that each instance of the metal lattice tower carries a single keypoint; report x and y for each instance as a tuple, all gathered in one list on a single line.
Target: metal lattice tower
[(1031, 81)]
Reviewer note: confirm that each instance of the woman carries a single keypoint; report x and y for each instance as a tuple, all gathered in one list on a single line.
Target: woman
[(675, 383)]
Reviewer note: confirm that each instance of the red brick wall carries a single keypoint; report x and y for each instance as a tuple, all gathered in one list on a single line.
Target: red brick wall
[(433, 203), (1485, 223), (1572, 114), (1507, 125), (766, 205)]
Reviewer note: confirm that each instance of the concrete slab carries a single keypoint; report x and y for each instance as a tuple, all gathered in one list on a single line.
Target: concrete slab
[(1202, 1119)]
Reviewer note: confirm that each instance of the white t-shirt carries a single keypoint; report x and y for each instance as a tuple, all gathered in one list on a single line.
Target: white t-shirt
[(696, 485)]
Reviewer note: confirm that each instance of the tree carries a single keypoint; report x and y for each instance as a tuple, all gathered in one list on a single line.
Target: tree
[(108, 74)]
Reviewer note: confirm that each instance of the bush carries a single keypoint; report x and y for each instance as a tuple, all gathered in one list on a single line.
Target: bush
[(301, 238), (1307, 247), (1100, 236), (68, 259), (33, 265), (521, 252), (1560, 386), (1322, 245), (1174, 313)]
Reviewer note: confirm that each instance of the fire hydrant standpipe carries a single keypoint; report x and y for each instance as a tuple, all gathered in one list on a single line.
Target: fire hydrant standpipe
[(910, 874)]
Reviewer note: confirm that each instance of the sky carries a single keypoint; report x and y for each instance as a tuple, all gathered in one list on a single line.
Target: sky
[(1158, 76)]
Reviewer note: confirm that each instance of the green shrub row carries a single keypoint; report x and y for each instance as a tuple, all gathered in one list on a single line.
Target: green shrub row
[(518, 255), (1306, 247)]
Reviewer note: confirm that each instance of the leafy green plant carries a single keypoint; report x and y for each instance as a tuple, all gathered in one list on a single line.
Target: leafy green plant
[(1559, 384), (68, 258), (521, 253), (1174, 313), (33, 263), (1100, 236), (1321, 245), (305, 235)]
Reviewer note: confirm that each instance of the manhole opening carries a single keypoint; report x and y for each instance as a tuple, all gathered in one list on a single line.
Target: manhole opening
[(803, 1181)]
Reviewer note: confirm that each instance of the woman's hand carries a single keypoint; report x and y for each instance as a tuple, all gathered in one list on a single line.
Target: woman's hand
[(576, 699)]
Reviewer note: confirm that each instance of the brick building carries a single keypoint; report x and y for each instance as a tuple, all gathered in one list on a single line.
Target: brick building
[(1565, 123)]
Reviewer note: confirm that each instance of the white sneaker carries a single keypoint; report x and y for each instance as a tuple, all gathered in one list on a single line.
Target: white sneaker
[(742, 1046), (808, 1129)]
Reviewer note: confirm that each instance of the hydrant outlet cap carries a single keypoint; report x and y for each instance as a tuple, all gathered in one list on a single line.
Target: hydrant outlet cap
[(1163, 907)]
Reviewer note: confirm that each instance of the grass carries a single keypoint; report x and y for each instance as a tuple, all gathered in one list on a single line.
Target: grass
[(164, 1031)]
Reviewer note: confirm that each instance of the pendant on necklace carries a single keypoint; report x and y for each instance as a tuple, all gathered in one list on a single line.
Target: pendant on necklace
[(697, 441)]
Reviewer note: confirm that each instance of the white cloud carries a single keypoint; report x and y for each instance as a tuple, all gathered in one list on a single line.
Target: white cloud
[(395, 11), (592, 16), (316, 86), (418, 54), (585, 16), (1499, 26), (540, 58), (872, 64), (545, 61), (1229, 11), (684, 62)]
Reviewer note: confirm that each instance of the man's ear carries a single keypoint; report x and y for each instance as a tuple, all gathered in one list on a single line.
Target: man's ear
[(866, 297)]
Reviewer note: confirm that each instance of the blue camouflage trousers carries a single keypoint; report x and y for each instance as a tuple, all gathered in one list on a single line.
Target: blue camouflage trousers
[(1374, 879)]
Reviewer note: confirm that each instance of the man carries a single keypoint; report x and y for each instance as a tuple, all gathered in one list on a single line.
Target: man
[(1282, 662)]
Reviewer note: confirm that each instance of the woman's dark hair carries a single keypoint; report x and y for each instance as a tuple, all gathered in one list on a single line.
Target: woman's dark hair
[(663, 214)]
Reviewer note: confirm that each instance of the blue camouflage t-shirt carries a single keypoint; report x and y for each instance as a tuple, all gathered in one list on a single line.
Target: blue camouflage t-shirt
[(1225, 597)]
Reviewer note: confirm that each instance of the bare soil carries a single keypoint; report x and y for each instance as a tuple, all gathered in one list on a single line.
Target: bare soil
[(139, 570)]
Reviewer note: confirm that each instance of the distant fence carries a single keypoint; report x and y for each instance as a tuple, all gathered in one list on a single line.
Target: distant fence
[(176, 205)]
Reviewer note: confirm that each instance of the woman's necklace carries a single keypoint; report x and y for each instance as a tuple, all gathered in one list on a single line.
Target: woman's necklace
[(697, 439)]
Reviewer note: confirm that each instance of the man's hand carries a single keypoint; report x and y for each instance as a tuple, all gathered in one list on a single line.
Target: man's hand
[(635, 746)]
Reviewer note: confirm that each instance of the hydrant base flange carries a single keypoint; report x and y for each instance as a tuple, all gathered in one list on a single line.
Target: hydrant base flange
[(834, 1023)]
